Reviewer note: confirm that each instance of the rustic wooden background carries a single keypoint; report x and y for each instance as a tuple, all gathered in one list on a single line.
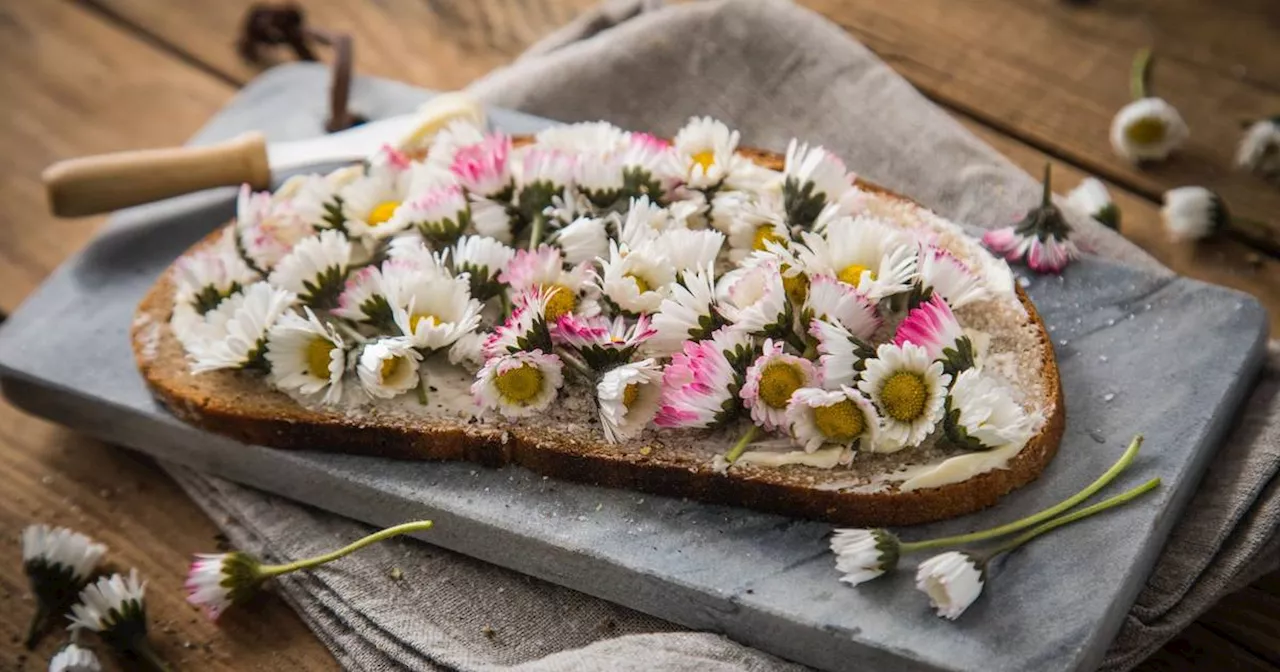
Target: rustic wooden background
[(1038, 79)]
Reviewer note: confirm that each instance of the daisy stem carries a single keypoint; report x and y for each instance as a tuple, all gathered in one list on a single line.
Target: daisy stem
[(1046, 197), (579, 366), (1140, 75), (1121, 464), (1072, 517), (422, 391), (141, 649), (535, 234), (37, 627), (736, 451), (267, 571)]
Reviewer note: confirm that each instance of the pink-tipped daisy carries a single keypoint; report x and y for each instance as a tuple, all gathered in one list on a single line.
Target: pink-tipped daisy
[(1042, 239), (629, 396), (440, 214), (943, 274), (840, 416), (602, 342), (518, 384), (755, 300), (687, 313), (525, 329), (770, 382), (366, 298), (933, 326), (217, 581), (543, 269), (699, 387), (482, 169), (829, 299), (841, 353)]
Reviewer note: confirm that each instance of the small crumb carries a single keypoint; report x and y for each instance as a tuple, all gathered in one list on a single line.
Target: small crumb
[(646, 450), (599, 506), (1102, 358), (489, 632), (581, 518), (47, 480), (396, 573), (188, 645), (1024, 282), (1108, 396)]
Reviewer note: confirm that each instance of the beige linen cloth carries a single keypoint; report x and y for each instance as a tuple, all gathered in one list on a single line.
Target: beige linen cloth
[(774, 71)]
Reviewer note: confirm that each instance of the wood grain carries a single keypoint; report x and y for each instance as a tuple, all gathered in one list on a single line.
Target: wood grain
[(1054, 73)]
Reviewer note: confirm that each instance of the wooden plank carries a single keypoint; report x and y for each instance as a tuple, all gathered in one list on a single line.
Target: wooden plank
[(125, 501), (77, 85), (1200, 649), (1250, 617), (1054, 73), (440, 44)]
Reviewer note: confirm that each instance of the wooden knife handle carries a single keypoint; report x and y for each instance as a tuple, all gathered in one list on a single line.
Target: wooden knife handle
[(94, 184)]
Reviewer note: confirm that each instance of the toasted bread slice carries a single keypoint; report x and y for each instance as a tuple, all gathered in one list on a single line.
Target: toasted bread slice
[(563, 444)]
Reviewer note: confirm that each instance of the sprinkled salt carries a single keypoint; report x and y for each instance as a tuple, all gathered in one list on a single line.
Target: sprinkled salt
[(1024, 282), (1102, 358), (1108, 396)]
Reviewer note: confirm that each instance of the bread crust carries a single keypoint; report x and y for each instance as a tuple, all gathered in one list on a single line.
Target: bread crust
[(242, 407)]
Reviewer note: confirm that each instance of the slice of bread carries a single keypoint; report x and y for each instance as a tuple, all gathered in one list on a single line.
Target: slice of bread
[(563, 444)]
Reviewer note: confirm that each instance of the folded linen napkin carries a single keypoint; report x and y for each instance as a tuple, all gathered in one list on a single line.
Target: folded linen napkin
[(774, 71)]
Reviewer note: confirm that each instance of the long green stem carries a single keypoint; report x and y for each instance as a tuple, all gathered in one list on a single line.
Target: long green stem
[(1125, 460), (535, 234), (736, 451), (407, 528), (1140, 75), (1072, 517)]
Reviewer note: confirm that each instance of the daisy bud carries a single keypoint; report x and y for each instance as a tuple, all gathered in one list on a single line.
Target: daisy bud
[(862, 555), (1091, 197), (74, 658), (1259, 150), (116, 609), (952, 580), (217, 581), (58, 563), (1193, 213)]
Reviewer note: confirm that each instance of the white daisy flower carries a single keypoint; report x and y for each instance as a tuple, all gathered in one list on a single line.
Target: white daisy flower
[(112, 606), (1148, 129), (635, 280), (909, 389), (643, 223), (1259, 150), (982, 415), (540, 175), (367, 294), (646, 167), (482, 259), (583, 240), (483, 169), (755, 300), (688, 249), (599, 177), (1193, 213), (943, 274), (543, 269), (210, 274), (770, 382), (699, 387), (602, 342), (758, 226), (269, 225), (57, 562), (435, 310), (834, 301), (306, 356), (687, 313), (932, 326), (875, 258), (518, 384), (705, 153), (234, 335), (468, 350), (841, 353), (952, 580), (840, 416), (217, 581), (388, 367), (526, 328), (1092, 198), (440, 214), (628, 397), (584, 137), (74, 658), (813, 180), (315, 269), (863, 555), (370, 203), (455, 138), (411, 253), (492, 219)]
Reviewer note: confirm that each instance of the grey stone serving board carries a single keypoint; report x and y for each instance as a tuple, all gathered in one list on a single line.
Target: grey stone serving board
[(1169, 357)]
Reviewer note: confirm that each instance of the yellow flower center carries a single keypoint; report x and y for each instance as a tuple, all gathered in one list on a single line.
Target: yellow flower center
[(392, 367), (766, 234), (319, 352), (903, 396), (382, 212), (519, 385), (418, 317), (778, 382), (841, 422), (629, 394), (1145, 131), (641, 285), (705, 158), (852, 274), (561, 302), (796, 286)]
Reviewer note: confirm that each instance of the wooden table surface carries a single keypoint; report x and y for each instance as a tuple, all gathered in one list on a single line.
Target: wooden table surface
[(1037, 79)]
